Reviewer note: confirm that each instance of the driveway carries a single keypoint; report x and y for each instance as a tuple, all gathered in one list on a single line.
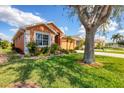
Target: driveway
[(104, 54)]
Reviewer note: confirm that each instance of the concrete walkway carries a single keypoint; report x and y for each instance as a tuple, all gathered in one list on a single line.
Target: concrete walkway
[(104, 54)]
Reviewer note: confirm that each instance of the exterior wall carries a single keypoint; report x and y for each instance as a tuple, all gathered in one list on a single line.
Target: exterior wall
[(58, 39), (26, 41), (19, 42), (52, 38), (23, 38), (68, 45), (60, 33), (43, 29)]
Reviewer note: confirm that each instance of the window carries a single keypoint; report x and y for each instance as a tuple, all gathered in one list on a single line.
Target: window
[(45, 39), (39, 38), (42, 39)]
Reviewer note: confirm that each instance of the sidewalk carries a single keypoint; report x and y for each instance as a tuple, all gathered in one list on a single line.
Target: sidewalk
[(104, 54)]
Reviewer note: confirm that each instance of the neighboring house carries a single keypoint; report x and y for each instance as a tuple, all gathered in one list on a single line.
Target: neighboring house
[(44, 34), (79, 40)]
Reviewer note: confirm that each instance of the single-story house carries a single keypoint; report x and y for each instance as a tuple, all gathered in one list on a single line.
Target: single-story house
[(44, 34)]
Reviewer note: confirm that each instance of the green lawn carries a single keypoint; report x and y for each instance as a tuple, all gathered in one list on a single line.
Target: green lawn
[(116, 51), (63, 72), (5, 51)]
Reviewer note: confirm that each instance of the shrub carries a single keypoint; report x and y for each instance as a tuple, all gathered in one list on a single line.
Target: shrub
[(4, 44), (64, 51), (32, 47), (26, 55), (18, 50), (54, 48), (0, 44), (121, 42), (13, 46), (99, 45), (77, 48), (45, 50), (72, 51)]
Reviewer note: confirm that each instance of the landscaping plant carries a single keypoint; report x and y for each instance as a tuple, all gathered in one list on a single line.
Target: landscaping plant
[(54, 48), (32, 47), (45, 50), (4, 44)]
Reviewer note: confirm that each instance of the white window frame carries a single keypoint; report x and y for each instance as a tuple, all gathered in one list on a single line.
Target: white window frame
[(43, 33)]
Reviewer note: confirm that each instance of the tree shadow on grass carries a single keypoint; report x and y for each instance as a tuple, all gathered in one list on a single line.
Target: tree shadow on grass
[(62, 67), (25, 70), (12, 58), (51, 70), (22, 66)]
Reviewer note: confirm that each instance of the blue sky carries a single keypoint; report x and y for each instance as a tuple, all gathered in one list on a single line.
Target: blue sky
[(12, 17)]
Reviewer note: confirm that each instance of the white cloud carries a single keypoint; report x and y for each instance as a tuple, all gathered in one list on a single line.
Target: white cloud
[(113, 26), (81, 32), (81, 29), (5, 37), (64, 29), (14, 30), (121, 31), (36, 13), (100, 37), (15, 17)]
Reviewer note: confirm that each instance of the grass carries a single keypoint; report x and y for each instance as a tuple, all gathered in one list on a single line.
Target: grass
[(5, 51), (63, 72), (111, 50)]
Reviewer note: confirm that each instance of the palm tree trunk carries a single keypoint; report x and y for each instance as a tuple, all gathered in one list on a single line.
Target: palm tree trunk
[(89, 56)]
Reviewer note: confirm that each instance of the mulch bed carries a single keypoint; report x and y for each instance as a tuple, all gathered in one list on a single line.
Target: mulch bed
[(24, 85), (96, 64)]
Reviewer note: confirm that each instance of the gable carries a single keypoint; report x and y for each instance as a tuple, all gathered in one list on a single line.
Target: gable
[(49, 28), (53, 26), (18, 34), (41, 27)]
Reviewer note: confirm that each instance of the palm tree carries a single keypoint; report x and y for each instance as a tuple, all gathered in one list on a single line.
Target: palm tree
[(114, 38), (117, 37), (121, 37)]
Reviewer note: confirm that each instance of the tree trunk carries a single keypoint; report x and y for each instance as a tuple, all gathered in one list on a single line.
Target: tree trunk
[(89, 56)]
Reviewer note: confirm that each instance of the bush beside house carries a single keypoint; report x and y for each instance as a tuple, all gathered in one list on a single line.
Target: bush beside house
[(54, 48), (34, 50), (32, 47), (4, 44)]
